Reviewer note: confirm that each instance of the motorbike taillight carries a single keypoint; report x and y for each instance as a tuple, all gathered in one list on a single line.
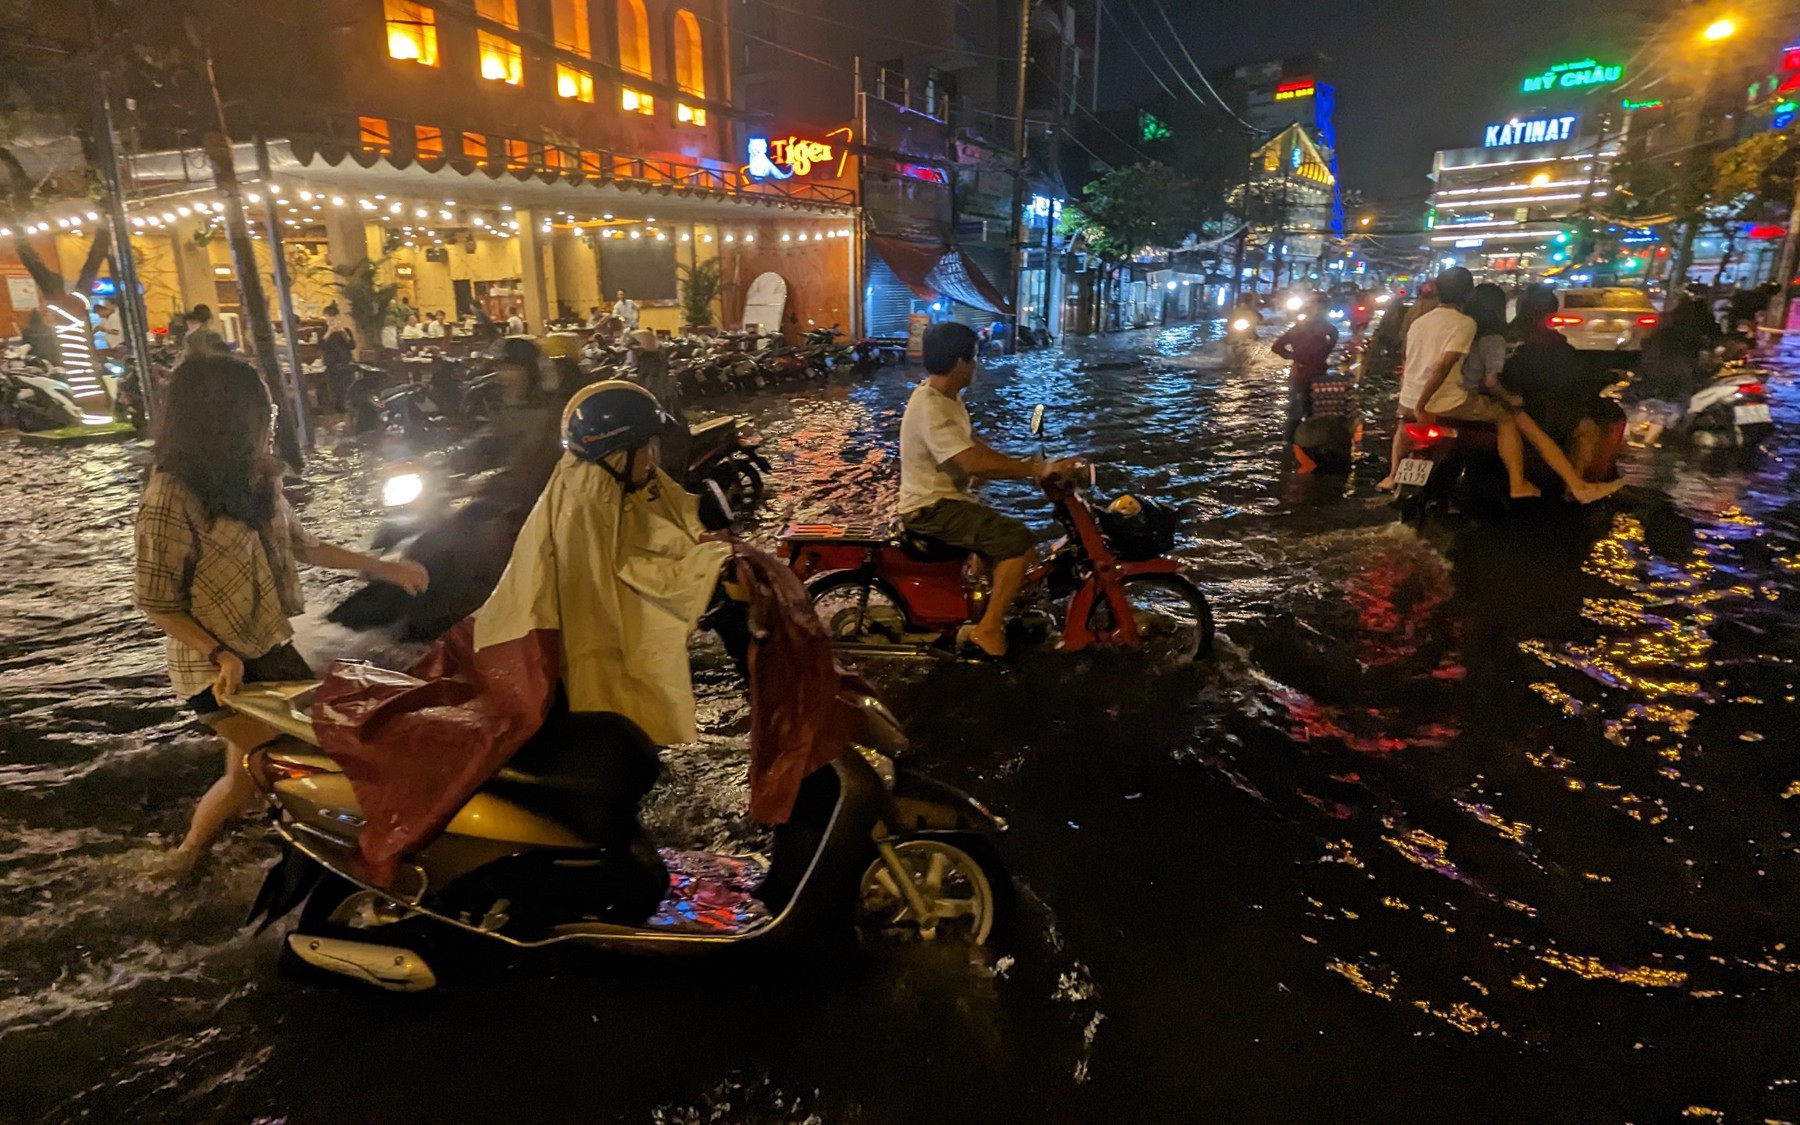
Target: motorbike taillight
[(284, 769), (1750, 389), (1423, 435)]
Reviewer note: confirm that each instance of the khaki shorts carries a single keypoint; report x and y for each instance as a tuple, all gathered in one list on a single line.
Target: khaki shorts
[(973, 528), (1480, 408)]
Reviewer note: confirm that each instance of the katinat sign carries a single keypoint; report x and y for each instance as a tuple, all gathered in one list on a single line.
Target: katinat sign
[(1535, 131)]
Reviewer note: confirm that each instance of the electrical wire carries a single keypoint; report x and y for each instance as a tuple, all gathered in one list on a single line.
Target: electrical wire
[(1201, 74)]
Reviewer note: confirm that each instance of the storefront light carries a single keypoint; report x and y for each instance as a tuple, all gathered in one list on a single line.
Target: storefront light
[(686, 237), (787, 238), (749, 238), (731, 238)]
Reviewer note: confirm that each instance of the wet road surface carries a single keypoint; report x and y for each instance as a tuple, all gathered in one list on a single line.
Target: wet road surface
[(1485, 824)]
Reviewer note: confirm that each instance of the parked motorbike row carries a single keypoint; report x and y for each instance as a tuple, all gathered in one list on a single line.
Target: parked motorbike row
[(33, 395)]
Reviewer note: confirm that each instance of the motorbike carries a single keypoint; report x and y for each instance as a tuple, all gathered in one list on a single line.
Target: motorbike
[(1728, 411), (458, 516), (1106, 583), (1454, 463), (32, 398), (550, 854)]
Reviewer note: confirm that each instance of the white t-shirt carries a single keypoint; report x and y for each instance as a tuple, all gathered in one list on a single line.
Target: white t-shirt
[(627, 311), (934, 429), (1438, 331)]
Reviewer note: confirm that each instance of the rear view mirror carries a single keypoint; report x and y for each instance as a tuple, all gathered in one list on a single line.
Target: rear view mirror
[(1037, 420)]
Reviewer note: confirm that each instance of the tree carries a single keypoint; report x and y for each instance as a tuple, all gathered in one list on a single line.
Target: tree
[(1140, 207)]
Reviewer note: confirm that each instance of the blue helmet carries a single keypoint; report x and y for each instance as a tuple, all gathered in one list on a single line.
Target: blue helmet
[(604, 418)]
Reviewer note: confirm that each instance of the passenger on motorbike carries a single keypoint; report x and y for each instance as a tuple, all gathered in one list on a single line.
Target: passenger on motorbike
[(939, 457)]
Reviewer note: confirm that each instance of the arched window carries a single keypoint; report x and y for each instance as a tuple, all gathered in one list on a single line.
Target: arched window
[(634, 38), (690, 55)]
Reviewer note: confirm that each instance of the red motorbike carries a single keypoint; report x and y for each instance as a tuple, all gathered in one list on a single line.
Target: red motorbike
[(1107, 583)]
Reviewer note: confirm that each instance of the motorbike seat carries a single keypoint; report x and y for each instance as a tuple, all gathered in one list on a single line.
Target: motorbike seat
[(925, 549), (576, 752)]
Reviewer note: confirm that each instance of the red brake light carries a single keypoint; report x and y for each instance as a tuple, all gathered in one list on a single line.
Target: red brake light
[(1750, 388), (1649, 321), (1566, 320), (1423, 435)]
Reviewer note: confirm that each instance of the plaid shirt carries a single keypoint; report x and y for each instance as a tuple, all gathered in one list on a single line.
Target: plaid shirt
[(240, 583)]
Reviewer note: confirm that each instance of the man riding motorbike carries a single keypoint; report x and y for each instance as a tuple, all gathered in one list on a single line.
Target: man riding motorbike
[(939, 457)]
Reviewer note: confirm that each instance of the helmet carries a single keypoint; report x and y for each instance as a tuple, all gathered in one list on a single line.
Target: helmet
[(561, 345), (605, 417), (1138, 528)]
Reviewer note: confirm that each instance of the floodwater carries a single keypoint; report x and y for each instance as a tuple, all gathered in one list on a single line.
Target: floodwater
[(1491, 823)]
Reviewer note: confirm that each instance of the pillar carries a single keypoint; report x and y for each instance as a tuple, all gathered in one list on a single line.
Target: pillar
[(346, 238), (193, 267), (536, 305)]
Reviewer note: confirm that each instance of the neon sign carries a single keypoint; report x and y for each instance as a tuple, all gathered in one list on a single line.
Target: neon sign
[(1648, 103), (1289, 91), (797, 155), (1573, 76), (923, 172), (1535, 131)]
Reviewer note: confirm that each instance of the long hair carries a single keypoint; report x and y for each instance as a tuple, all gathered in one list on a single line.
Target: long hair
[(213, 436), (1487, 306)]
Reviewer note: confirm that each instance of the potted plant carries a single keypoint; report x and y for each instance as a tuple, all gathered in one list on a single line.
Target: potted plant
[(701, 285), (368, 301)]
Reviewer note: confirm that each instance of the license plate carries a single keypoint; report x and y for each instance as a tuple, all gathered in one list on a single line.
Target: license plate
[(1751, 414), (1414, 471)]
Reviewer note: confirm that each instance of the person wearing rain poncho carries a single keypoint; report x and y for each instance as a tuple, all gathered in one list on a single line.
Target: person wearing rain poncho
[(608, 577)]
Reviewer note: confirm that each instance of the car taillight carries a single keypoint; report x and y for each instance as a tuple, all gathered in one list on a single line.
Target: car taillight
[(1750, 388), (1423, 435), (1648, 321), (1566, 320)]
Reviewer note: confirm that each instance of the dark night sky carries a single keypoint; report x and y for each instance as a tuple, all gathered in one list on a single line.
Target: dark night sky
[(1412, 76)]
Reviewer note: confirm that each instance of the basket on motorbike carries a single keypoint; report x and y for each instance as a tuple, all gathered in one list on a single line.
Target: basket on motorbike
[(1138, 528)]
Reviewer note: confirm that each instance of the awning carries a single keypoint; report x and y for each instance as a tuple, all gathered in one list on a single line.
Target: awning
[(932, 269)]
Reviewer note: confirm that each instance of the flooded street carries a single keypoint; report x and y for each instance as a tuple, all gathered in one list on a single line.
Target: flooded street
[(1490, 823)]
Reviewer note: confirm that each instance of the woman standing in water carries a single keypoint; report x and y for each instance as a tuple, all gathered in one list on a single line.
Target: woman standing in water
[(217, 546)]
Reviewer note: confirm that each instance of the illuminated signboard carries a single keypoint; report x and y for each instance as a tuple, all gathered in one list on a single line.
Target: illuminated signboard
[(1573, 76), (923, 172), (1535, 131), (1648, 103), (783, 158), (1289, 91)]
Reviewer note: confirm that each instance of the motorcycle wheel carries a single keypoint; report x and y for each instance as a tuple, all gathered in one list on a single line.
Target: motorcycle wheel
[(743, 485), (1174, 621), (961, 880), (1409, 502), (857, 609)]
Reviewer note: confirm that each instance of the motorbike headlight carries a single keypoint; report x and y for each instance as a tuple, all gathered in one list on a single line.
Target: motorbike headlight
[(1294, 304), (1240, 325), (402, 489)]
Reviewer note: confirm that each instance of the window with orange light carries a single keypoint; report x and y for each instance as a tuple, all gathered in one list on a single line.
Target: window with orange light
[(501, 60), (591, 164), (428, 140), (555, 157), (636, 101), (570, 22), (411, 32), (689, 114), (500, 11), (518, 154), (634, 39), (576, 84), (475, 147), (690, 55), (374, 135)]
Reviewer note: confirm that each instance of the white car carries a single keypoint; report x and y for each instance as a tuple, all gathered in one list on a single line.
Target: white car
[(1605, 320)]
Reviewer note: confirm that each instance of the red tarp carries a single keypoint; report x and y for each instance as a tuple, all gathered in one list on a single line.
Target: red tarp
[(932, 269), (417, 745)]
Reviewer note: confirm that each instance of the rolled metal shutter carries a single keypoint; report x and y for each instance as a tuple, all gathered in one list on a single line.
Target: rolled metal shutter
[(887, 302)]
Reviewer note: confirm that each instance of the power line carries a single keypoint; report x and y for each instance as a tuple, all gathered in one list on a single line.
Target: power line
[(1201, 74), (1157, 43), (1125, 38)]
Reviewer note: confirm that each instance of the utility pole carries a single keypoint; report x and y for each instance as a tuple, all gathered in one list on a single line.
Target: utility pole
[(284, 294), (1789, 266), (127, 293), (1018, 195), (217, 145)]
